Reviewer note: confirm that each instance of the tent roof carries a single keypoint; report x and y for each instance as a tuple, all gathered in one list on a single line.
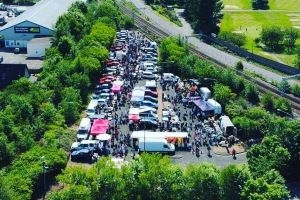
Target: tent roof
[(203, 105)]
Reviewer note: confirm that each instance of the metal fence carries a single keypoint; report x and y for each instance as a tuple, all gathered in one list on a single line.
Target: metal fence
[(259, 59)]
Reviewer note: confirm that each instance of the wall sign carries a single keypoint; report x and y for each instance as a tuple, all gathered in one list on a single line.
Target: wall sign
[(19, 29)]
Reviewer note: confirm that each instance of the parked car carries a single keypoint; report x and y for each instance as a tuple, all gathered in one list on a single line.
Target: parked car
[(148, 124), (148, 75), (150, 104), (150, 98), (84, 150), (150, 93)]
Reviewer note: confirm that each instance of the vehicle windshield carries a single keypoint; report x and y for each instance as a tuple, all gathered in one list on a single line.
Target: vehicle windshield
[(82, 132)]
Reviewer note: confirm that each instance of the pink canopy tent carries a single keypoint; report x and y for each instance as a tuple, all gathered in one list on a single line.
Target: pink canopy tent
[(134, 118), (116, 88), (100, 126), (96, 130), (101, 122)]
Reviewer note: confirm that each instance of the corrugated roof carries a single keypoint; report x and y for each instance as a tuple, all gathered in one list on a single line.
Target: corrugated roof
[(44, 13)]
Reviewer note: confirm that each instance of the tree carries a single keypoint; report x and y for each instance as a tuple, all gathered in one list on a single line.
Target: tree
[(233, 179), (272, 36), (297, 60), (268, 155), (268, 186), (284, 86), (289, 38), (239, 66), (251, 93), (260, 4), (204, 15), (70, 105), (202, 182), (267, 101), (222, 94), (71, 193), (65, 45)]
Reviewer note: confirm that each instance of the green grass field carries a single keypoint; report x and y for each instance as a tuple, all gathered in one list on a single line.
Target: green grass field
[(284, 13), (274, 4)]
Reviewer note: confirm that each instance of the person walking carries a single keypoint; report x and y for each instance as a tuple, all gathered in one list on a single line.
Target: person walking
[(234, 153)]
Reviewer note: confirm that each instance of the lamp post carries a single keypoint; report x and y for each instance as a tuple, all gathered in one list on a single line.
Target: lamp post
[(45, 167)]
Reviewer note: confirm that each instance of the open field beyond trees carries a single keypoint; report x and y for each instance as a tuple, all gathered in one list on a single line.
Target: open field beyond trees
[(240, 18)]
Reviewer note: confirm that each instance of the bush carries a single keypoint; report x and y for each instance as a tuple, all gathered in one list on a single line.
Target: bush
[(238, 39), (239, 66), (296, 90)]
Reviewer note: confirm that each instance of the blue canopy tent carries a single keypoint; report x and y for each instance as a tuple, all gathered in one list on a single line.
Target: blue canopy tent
[(202, 107)]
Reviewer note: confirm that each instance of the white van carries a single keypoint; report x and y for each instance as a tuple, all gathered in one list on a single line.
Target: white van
[(84, 129), (205, 93), (227, 126), (91, 110), (217, 107), (156, 145)]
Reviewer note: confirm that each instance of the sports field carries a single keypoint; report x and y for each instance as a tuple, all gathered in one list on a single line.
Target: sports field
[(239, 17)]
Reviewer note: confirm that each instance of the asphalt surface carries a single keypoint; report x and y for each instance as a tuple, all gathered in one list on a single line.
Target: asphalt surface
[(184, 158), (186, 30)]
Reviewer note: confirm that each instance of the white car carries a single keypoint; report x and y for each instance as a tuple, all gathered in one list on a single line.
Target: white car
[(149, 75)]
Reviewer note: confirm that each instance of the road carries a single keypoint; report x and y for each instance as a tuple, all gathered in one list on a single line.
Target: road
[(210, 51)]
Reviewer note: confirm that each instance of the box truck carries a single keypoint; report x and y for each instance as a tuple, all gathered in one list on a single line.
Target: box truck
[(156, 145)]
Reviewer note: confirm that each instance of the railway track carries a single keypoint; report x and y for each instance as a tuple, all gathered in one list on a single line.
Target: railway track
[(262, 86)]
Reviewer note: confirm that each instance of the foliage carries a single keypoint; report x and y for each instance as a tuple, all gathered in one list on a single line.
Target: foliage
[(284, 86), (239, 66), (289, 38), (238, 39), (297, 60), (152, 176), (268, 186), (260, 4), (203, 182), (233, 179), (72, 192), (33, 116), (268, 155), (251, 93), (222, 94), (272, 36), (268, 101), (28, 171), (204, 15), (296, 89), (169, 14)]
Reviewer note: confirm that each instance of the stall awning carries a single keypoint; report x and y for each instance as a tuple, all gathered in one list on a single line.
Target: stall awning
[(203, 105)]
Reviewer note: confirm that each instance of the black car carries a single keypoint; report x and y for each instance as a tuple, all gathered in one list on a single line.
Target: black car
[(104, 88), (82, 154), (148, 123)]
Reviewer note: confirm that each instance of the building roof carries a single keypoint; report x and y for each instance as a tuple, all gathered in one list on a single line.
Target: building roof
[(11, 72), (42, 40), (44, 13)]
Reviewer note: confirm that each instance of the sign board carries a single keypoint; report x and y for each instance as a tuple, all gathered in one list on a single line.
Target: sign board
[(19, 29)]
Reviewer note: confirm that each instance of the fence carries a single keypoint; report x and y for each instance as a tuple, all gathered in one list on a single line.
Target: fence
[(261, 60)]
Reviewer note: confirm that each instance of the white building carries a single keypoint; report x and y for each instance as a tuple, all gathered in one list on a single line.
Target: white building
[(36, 22)]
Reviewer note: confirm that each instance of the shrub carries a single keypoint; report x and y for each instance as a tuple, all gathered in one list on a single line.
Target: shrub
[(238, 39), (239, 66)]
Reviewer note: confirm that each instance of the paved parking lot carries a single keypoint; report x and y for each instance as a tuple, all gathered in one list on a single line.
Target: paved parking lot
[(10, 57)]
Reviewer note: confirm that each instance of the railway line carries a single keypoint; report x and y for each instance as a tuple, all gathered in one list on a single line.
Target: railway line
[(147, 27)]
